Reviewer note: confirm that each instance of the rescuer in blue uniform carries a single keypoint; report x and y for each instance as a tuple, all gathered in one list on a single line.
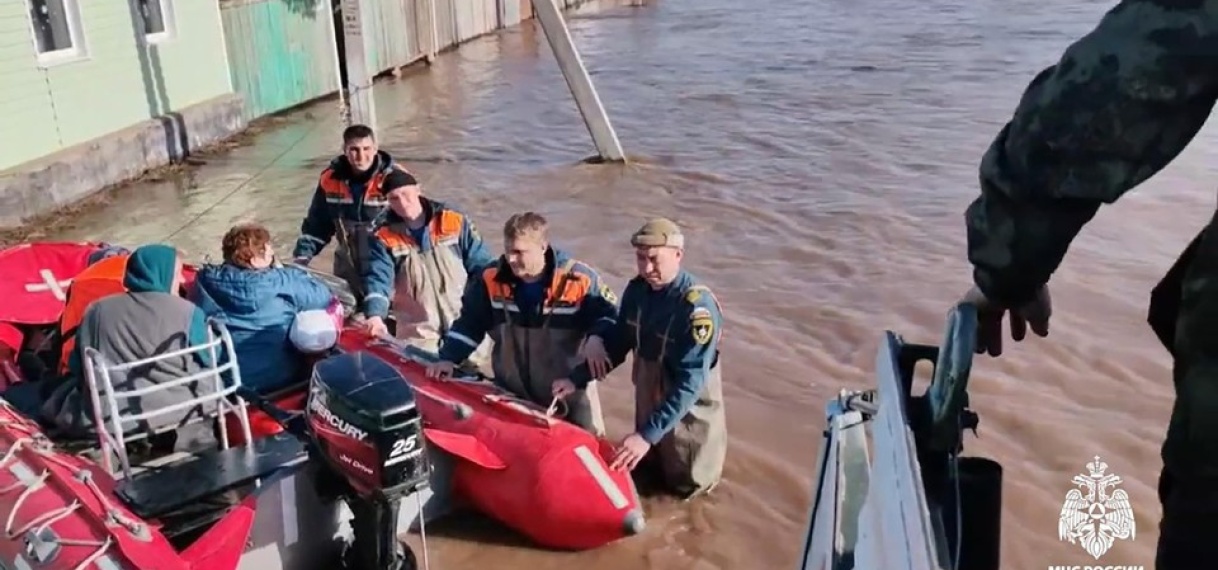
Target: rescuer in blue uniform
[(673, 324), (419, 260), (538, 305), (350, 197)]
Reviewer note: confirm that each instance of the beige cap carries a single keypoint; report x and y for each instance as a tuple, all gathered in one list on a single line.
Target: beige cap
[(658, 232)]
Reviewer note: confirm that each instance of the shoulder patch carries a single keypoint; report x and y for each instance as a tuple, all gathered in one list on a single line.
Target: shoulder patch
[(607, 292), (693, 295), (701, 326)]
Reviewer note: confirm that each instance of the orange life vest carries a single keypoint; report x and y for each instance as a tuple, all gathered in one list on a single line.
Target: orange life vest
[(101, 279)]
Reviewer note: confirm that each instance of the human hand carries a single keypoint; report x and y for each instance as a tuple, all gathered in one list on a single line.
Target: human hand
[(1033, 314), (562, 388), (630, 453), (441, 370), (375, 326), (596, 356)]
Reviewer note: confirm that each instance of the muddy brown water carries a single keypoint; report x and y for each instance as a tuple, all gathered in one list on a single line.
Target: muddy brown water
[(820, 155)]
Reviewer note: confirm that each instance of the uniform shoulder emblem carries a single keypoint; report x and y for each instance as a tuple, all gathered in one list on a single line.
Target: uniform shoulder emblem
[(701, 325), (607, 292), (693, 295)]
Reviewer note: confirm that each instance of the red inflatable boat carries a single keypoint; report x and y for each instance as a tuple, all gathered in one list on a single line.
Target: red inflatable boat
[(542, 476), (61, 509), (62, 513), (278, 498)]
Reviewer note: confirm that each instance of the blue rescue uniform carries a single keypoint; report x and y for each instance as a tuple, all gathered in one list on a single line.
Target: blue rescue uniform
[(345, 206), (674, 333), (423, 279), (537, 329)]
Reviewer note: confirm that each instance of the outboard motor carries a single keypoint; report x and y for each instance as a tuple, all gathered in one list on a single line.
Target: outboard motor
[(362, 420)]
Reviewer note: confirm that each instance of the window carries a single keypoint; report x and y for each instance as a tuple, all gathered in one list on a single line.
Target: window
[(56, 30), (157, 21)]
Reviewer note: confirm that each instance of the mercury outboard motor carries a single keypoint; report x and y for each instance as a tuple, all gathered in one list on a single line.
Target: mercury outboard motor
[(363, 422)]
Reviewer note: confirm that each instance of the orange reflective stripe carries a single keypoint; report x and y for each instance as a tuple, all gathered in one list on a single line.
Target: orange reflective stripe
[(567, 287), (447, 225), (394, 241), (374, 195), (101, 279), (334, 189), (497, 290)]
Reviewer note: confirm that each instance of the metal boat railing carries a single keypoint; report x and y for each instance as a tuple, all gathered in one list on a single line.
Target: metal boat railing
[(213, 396), (910, 502)]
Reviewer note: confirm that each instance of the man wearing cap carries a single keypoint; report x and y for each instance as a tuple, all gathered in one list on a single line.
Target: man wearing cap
[(673, 324)]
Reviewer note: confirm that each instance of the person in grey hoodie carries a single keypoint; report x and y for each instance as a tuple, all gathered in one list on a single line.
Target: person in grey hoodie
[(149, 319)]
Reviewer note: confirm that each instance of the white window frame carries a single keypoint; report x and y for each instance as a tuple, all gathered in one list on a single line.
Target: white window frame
[(76, 33), (167, 19)]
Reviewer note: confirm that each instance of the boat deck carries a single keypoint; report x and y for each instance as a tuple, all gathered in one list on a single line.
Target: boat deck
[(903, 498)]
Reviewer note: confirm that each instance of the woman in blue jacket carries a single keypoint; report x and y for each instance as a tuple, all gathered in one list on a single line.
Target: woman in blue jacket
[(257, 302)]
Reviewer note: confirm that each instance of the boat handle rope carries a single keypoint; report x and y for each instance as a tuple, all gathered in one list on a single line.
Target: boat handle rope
[(555, 404), (520, 406), (42, 446), (418, 499), (38, 443), (544, 418)]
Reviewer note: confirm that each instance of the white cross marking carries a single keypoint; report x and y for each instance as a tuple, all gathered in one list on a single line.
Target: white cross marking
[(49, 283)]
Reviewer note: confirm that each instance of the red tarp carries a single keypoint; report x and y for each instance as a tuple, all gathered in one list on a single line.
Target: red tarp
[(34, 279)]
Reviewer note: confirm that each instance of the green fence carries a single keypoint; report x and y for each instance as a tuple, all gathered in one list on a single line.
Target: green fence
[(283, 53)]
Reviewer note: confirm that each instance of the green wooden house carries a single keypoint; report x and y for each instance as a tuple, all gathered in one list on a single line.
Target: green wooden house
[(74, 71)]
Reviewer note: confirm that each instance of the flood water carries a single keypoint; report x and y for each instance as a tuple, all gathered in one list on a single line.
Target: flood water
[(820, 155)]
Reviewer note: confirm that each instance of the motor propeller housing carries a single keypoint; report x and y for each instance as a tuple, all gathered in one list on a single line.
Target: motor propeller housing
[(363, 422)]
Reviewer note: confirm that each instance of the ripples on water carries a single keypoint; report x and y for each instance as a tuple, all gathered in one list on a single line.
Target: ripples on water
[(821, 155)]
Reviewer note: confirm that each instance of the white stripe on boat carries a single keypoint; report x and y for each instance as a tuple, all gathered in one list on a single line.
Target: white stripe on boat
[(602, 477)]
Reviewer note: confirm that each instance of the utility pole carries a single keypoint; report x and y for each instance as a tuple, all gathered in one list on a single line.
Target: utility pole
[(433, 46), (361, 106), (338, 66), (578, 81)]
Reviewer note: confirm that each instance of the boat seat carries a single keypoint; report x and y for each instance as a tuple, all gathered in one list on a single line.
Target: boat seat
[(215, 397), (153, 494)]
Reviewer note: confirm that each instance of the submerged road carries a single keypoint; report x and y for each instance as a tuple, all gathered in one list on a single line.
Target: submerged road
[(821, 155)]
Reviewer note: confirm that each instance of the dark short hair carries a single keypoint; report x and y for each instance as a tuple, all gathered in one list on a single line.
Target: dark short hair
[(357, 132)]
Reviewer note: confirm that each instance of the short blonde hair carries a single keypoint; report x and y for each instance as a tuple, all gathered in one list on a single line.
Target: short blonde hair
[(526, 223)]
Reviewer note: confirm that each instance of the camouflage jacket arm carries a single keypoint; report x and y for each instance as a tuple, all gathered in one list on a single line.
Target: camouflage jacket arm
[(1121, 104)]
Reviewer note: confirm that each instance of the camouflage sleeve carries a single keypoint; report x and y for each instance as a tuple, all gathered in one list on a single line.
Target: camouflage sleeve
[(1121, 104)]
